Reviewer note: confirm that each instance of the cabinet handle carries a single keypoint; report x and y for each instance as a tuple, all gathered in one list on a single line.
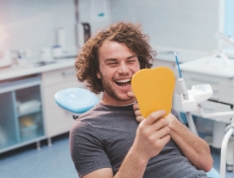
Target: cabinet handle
[(214, 98), (66, 74), (204, 80)]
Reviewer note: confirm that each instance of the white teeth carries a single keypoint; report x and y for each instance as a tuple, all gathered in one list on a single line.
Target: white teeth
[(123, 80)]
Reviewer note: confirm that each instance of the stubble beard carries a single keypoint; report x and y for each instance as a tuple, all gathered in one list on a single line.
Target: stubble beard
[(110, 91)]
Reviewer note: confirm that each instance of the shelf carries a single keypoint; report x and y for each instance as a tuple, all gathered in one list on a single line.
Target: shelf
[(31, 125), (30, 112), (20, 128)]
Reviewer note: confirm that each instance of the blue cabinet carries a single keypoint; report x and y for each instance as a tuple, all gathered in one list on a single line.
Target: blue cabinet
[(21, 118)]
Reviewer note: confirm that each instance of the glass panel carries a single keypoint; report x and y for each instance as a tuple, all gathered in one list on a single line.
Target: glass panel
[(8, 131), (29, 113), (31, 126), (28, 100)]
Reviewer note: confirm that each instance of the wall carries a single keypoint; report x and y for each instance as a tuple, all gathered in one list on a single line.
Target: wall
[(182, 23), (32, 24)]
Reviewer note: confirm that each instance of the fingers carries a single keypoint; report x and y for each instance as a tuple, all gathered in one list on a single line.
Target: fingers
[(164, 140), (157, 130), (130, 94), (136, 107), (139, 118), (161, 133), (154, 116), (137, 112), (159, 124)]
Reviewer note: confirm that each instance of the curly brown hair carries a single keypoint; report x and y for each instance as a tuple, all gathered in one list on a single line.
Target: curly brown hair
[(87, 65)]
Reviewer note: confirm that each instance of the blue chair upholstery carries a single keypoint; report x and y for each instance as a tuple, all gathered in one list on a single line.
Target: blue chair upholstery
[(79, 100), (76, 100)]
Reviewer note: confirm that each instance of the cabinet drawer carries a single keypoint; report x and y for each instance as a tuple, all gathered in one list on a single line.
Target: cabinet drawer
[(58, 76), (49, 92), (202, 78), (57, 121)]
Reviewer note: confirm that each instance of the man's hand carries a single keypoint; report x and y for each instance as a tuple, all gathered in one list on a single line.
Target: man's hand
[(152, 135), (136, 108)]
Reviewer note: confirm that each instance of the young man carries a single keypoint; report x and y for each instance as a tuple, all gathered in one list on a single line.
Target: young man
[(108, 141)]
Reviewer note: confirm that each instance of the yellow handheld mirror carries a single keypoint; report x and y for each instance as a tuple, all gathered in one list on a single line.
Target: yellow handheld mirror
[(154, 89)]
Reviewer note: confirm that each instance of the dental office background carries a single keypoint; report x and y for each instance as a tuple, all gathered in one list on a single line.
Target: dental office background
[(30, 24), (29, 27)]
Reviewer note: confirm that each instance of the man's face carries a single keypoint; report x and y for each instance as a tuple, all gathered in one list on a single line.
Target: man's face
[(117, 65)]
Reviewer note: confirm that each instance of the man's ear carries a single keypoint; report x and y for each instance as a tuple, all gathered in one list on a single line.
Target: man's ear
[(98, 75)]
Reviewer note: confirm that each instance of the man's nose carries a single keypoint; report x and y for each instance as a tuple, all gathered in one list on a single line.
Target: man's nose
[(123, 68)]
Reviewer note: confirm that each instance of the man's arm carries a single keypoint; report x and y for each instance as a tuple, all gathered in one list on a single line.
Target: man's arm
[(151, 137), (192, 146)]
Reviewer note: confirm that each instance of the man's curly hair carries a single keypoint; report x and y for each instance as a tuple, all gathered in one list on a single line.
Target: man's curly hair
[(87, 65)]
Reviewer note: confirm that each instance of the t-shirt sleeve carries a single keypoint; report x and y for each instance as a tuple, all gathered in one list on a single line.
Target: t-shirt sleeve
[(87, 150)]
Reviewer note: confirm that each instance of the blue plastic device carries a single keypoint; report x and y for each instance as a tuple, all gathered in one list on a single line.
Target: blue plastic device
[(76, 100)]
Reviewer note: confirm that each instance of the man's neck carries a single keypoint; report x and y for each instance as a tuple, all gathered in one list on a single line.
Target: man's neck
[(111, 101), (123, 104)]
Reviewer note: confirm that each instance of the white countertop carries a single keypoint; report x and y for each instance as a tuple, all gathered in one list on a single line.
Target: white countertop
[(163, 53), (18, 71), (211, 66)]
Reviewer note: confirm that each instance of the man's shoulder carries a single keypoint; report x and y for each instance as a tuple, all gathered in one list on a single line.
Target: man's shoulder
[(94, 112), (89, 118)]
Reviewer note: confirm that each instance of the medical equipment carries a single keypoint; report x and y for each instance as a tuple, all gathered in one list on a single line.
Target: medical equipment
[(191, 101), (76, 100)]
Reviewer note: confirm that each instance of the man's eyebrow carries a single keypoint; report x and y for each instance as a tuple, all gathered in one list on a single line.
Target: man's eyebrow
[(131, 56), (115, 59), (110, 59)]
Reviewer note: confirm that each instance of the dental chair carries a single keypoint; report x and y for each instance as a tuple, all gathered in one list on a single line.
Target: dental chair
[(78, 100)]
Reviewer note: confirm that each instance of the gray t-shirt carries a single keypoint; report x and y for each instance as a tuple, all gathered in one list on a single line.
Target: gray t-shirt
[(102, 137)]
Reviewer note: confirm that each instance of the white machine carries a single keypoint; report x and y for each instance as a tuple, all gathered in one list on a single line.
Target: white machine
[(192, 102), (218, 70), (83, 30), (83, 33)]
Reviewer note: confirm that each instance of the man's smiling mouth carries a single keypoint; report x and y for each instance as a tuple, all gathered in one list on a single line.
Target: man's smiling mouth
[(123, 82)]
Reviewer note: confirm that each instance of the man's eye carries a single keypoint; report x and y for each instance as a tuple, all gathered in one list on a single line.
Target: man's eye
[(112, 63), (131, 61)]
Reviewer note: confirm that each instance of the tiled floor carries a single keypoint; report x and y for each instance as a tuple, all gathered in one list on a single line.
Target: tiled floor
[(51, 162)]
